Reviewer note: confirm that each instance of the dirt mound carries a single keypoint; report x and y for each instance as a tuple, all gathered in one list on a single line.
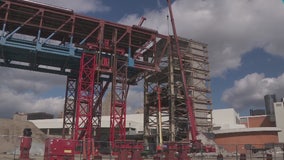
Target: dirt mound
[(12, 130)]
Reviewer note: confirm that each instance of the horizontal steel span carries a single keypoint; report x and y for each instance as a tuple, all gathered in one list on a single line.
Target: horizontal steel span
[(45, 38)]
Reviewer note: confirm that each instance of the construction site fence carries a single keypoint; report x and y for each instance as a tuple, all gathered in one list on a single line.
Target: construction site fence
[(10, 149), (268, 151)]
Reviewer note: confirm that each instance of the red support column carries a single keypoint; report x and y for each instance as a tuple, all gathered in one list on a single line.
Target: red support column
[(97, 109), (99, 91), (85, 102), (85, 97), (69, 107), (118, 103)]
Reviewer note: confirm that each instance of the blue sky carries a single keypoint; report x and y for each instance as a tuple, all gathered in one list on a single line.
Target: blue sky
[(245, 41)]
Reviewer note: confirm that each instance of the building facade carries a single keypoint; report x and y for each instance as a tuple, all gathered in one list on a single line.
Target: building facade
[(279, 119), (235, 133)]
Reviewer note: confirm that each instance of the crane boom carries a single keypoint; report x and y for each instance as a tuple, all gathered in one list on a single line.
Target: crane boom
[(188, 100)]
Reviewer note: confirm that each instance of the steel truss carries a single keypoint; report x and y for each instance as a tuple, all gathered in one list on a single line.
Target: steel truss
[(85, 97), (118, 103), (152, 119), (51, 39), (37, 29), (69, 107), (99, 91), (45, 38)]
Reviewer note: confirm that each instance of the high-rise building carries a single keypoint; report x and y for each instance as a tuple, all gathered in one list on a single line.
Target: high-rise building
[(269, 100)]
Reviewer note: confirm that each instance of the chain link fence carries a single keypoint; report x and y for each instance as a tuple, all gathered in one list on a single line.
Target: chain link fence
[(10, 147), (10, 150), (272, 151)]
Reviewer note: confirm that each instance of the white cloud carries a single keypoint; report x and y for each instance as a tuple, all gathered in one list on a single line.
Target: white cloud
[(80, 6), (20, 92), (24, 81), (11, 102), (135, 98), (230, 28), (250, 90), (53, 105)]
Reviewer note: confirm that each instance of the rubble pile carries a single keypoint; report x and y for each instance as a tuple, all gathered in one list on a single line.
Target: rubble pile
[(12, 130)]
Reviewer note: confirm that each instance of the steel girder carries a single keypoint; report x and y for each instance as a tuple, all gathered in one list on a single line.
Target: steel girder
[(85, 97), (118, 103), (69, 107), (41, 35), (45, 38), (152, 118), (99, 91)]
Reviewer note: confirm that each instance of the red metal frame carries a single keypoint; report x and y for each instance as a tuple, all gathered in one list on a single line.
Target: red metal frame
[(43, 23), (69, 107), (97, 109), (59, 149), (129, 149), (118, 103), (99, 91), (85, 97)]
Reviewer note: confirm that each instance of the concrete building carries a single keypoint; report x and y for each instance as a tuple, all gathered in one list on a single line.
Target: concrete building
[(53, 127), (32, 116), (269, 100), (236, 139), (234, 133), (257, 121), (226, 119), (279, 119)]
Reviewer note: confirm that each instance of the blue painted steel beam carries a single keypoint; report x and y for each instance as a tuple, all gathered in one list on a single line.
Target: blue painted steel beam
[(36, 34)]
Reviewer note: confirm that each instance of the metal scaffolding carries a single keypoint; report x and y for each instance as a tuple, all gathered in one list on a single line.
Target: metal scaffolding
[(174, 110)]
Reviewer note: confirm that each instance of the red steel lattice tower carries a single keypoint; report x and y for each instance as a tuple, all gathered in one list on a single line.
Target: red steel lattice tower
[(99, 91), (118, 102), (85, 97), (69, 106)]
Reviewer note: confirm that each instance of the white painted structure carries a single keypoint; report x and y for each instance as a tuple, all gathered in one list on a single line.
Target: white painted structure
[(222, 119), (248, 130), (279, 119), (226, 119), (132, 121)]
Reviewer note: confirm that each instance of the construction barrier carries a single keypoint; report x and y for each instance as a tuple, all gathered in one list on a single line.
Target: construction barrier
[(11, 145)]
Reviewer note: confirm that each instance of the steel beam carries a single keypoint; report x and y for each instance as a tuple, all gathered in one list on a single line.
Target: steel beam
[(69, 107), (85, 97), (118, 103), (40, 28)]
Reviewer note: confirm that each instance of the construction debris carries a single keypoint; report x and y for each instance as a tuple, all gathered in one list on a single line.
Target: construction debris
[(12, 130)]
